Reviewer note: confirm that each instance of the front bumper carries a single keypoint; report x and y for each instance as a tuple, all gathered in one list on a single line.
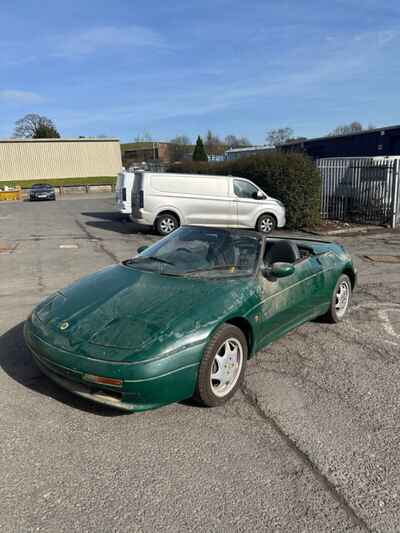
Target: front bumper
[(47, 197), (146, 385)]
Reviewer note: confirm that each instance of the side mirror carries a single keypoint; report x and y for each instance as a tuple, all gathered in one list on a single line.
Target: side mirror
[(142, 249), (281, 270), (259, 195)]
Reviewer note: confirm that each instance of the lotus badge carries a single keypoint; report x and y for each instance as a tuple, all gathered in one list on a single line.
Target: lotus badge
[(64, 326)]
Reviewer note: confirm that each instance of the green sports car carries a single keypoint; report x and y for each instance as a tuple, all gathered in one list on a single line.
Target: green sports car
[(181, 318)]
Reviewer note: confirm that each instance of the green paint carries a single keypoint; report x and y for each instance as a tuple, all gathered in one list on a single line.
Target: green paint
[(150, 330)]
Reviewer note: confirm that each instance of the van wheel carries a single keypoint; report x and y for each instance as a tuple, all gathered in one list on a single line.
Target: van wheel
[(166, 223), (266, 224)]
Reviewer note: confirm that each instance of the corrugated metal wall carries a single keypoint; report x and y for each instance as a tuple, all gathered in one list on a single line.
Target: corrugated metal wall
[(45, 159)]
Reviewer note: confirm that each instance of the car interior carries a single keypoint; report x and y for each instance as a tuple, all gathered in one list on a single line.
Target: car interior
[(284, 251)]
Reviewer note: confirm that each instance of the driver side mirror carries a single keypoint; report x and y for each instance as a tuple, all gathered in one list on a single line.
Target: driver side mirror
[(281, 270), (142, 248)]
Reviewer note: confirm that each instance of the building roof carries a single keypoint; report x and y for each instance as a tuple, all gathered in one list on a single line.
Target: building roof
[(249, 149), (142, 145), (351, 134), (65, 140)]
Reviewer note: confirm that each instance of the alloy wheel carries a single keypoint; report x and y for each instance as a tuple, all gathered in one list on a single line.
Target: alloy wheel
[(226, 367), (342, 298), (167, 225)]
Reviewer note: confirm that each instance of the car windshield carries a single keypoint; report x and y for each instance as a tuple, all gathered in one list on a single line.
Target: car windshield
[(41, 186), (205, 252)]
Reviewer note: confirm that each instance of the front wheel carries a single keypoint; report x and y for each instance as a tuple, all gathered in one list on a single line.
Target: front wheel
[(166, 224), (223, 366), (266, 224), (341, 298)]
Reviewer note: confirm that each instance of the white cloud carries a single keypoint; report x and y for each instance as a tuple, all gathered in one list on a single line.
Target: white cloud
[(20, 97), (89, 41)]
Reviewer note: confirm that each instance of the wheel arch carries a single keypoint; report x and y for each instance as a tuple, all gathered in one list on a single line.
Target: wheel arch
[(350, 272), (266, 212), (244, 325), (169, 211)]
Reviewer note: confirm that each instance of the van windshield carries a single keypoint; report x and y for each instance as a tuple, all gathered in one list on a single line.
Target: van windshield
[(205, 252)]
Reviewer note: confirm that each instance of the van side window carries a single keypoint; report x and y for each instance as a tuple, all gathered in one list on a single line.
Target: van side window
[(244, 189)]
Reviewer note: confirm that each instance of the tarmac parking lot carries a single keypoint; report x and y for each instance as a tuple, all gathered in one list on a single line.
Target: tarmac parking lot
[(311, 443)]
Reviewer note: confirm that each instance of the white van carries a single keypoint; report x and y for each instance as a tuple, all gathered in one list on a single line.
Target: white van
[(167, 201), (123, 192)]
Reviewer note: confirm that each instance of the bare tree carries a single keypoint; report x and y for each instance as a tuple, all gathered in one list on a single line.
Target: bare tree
[(279, 136), (143, 137), (35, 127), (180, 148), (237, 142), (346, 129), (213, 143)]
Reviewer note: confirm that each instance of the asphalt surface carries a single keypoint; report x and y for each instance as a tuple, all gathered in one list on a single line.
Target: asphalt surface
[(311, 443)]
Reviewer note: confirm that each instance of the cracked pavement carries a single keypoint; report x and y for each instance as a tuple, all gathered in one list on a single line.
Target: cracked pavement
[(310, 443)]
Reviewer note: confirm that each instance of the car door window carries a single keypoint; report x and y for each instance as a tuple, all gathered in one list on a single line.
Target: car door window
[(244, 189)]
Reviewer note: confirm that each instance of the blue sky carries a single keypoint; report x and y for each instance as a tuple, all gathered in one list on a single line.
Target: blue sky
[(125, 67)]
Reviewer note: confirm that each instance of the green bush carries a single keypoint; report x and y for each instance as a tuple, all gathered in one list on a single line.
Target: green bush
[(291, 178)]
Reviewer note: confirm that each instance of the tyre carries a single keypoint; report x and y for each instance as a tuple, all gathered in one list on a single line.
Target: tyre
[(222, 368), (341, 298), (166, 224), (266, 223)]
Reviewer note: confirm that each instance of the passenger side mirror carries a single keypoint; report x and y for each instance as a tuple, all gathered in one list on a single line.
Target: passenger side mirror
[(281, 270), (259, 195), (142, 248)]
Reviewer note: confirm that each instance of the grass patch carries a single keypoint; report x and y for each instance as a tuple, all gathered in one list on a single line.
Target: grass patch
[(96, 180)]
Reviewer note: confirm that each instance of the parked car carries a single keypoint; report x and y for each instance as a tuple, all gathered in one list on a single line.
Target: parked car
[(42, 191), (181, 318), (167, 201)]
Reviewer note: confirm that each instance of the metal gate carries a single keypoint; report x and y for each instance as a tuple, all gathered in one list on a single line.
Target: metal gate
[(363, 190)]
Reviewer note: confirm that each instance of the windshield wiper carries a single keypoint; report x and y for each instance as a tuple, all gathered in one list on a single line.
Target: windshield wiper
[(152, 258), (219, 267)]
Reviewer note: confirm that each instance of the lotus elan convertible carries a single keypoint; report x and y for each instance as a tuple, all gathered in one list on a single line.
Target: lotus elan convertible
[(181, 318)]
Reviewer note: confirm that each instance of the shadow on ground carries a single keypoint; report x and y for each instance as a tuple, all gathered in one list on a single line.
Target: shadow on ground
[(116, 222), (16, 361), (106, 215)]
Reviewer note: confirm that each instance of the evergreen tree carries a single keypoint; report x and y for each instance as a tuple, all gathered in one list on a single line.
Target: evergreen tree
[(199, 153)]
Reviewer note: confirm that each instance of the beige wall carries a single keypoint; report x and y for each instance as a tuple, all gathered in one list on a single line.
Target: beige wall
[(44, 159)]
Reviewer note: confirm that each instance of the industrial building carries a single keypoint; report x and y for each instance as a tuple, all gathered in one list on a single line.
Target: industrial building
[(239, 153), (369, 143), (145, 152), (45, 159)]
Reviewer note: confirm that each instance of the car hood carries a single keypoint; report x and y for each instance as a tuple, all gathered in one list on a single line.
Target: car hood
[(122, 313)]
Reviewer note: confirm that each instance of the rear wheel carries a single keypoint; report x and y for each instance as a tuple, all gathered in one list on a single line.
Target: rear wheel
[(166, 223), (341, 298), (266, 223), (223, 366)]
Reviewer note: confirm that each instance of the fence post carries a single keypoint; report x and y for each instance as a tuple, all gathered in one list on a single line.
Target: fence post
[(395, 194)]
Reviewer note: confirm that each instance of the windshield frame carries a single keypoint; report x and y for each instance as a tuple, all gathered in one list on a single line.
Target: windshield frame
[(196, 274)]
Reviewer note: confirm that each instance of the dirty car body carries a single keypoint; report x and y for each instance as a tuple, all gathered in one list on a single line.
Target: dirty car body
[(133, 335)]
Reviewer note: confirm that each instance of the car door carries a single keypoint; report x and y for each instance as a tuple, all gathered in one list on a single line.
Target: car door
[(246, 201), (288, 302)]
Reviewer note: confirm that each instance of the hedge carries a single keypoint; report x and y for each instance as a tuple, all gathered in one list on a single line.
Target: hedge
[(291, 178)]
